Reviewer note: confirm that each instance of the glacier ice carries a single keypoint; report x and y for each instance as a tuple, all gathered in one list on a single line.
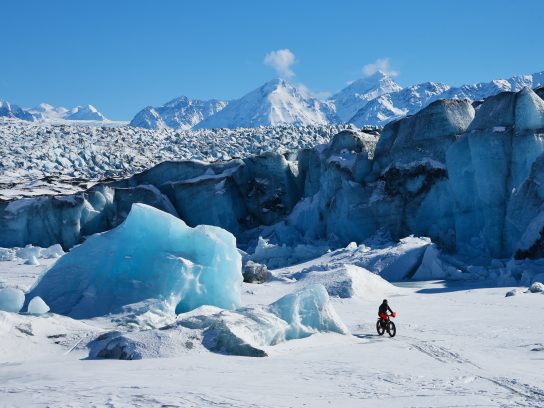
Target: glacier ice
[(11, 300), (37, 306), (245, 331), (468, 178), (151, 255)]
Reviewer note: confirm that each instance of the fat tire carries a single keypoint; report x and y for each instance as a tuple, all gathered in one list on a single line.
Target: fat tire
[(379, 328), (391, 329)]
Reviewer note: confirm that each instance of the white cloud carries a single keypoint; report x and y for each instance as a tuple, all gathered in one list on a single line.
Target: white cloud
[(281, 61), (381, 64)]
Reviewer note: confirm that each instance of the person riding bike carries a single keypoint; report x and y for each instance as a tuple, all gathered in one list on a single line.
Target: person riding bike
[(384, 308)]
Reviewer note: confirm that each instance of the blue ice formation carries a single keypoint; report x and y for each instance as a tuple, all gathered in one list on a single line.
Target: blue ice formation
[(11, 300), (306, 312), (151, 255), (245, 331)]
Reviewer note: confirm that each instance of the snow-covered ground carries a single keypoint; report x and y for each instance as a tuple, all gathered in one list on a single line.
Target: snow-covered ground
[(40, 158), (458, 344)]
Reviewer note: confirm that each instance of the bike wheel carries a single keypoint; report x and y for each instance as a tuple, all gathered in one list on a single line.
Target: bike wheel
[(391, 329), (379, 328)]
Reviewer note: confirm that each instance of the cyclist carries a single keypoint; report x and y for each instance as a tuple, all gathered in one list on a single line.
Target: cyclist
[(384, 308)]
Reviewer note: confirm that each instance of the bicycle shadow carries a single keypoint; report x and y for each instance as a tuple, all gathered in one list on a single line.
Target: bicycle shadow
[(366, 336)]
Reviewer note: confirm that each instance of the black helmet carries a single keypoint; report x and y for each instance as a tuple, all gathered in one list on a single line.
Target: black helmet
[(385, 301)]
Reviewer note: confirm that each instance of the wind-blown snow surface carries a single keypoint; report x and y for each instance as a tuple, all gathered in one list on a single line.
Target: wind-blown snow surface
[(47, 159), (457, 345)]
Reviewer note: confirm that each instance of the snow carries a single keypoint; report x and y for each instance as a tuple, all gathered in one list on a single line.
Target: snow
[(150, 256), (37, 306), (11, 300), (440, 357)]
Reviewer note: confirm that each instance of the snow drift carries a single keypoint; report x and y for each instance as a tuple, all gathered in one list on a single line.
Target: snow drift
[(152, 255)]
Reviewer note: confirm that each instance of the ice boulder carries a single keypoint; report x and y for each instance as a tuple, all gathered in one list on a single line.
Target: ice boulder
[(37, 306), (255, 272), (54, 251), (306, 312), (7, 254), (32, 261), (537, 287), (347, 281), (11, 300), (151, 255), (245, 331)]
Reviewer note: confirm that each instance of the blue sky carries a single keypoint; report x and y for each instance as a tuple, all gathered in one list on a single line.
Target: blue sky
[(123, 55)]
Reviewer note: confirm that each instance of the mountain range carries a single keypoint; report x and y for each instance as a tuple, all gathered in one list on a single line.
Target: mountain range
[(48, 113), (375, 100)]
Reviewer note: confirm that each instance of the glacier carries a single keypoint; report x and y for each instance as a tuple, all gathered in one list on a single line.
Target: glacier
[(151, 255), (467, 176)]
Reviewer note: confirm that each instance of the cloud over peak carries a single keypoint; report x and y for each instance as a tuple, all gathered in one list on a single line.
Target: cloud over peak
[(382, 65), (281, 61)]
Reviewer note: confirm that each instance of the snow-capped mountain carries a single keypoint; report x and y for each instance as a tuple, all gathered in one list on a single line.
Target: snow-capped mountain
[(276, 102), (394, 105), (87, 112), (9, 110), (358, 93), (47, 112), (180, 113)]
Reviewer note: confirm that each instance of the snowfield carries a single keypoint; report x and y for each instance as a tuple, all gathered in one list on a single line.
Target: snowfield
[(458, 344)]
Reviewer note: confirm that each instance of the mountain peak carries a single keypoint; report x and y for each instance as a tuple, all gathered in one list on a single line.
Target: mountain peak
[(358, 93), (178, 113), (278, 101)]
